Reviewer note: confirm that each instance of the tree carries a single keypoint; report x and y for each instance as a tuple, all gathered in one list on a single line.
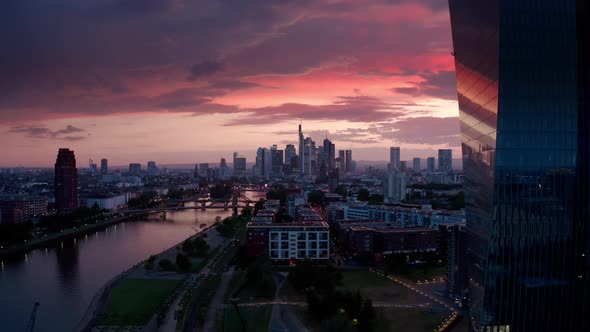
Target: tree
[(283, 216), (316, 197), (184, 264), (246, 212), (220, 190), (322, 278), (375, 199), (198, 247), (225, 230), (166, 265), (342, 190), (259, 205), (363, 195)]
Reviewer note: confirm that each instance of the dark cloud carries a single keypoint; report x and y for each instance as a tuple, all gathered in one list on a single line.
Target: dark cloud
[(181, 98), (146, 6), (46, 133), (233, 85), (102, 57), (345, 108), (206, 67), (440, 85)]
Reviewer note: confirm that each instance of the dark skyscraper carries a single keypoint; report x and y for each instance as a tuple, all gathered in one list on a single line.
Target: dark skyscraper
[(104, 166), (135, 169), (430, 164), (523, 81), (301, 152), (348, 166), (394, 158), (329, 155), (239, 166), (445, 160), (66, 181), (290, 152), (276, 160)]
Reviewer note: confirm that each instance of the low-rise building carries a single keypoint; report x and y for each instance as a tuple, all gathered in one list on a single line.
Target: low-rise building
[(108, 202), (16, 209), (288, 241), (367, 240), (306, 238)]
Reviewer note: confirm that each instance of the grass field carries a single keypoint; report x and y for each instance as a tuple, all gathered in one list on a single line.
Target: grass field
[(408, 320), (135, 301), (378, 288), (418, 274), (257, 318)]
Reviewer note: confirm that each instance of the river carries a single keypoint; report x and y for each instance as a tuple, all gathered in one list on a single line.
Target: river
[(65, 277)]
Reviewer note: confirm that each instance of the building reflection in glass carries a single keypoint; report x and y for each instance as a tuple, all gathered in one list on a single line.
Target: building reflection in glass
[(522, 83)]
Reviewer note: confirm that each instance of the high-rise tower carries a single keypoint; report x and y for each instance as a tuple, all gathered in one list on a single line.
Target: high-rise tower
[(66, 181), (301, 151), (394, 158), (523, 83)]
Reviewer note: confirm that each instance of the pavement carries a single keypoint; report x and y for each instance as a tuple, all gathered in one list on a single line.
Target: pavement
[(432, 294), (282, 319), (217, 300)]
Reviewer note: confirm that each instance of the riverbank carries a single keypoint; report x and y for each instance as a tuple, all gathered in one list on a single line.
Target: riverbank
[(99, 301), (65, 234)]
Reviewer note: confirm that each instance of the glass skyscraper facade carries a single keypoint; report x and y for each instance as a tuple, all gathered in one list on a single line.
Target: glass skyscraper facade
[(523, 86)]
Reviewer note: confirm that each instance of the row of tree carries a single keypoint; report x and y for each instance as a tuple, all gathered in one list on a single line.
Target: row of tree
[(336, 309)]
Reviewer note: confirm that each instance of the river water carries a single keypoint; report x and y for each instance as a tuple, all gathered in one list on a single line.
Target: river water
[(65, 277)]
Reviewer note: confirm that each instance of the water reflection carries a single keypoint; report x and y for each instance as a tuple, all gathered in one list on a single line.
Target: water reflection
[(65, 276), (67, 267)]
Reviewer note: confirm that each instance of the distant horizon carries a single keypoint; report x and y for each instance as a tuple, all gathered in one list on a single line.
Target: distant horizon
[(457, 164)]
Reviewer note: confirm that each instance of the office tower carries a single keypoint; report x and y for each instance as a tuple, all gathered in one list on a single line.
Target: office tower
[(394, 158), (430, 165), (267, 162), (276, 160), (309, 156), (152, 168), (301, 152), (445, 160), (341, 163), (134, 169), (104, 166), (263, 162), (92, 167), (290, 152), (196, 173), (223, 169), (523, 83), (235, 155), (295, 165), (403, 165), (394, 186), (240, 166), (456, 259), (66, 181), (349, 166), (204, 170), (329, 154), (416, 165)]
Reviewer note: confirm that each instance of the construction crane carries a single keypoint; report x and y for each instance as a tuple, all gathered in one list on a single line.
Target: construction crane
[(31, 324)]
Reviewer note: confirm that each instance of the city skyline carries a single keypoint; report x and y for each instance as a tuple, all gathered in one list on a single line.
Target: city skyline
[(390, 84)]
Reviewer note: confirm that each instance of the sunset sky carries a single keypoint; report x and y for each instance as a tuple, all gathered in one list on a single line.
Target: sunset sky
[(182, 81)]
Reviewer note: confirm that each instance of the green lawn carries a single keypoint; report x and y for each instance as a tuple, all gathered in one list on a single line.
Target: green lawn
[(378, 288), (418, 273), (409, 320), (290, 294), (257, 318), (135, 301)]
